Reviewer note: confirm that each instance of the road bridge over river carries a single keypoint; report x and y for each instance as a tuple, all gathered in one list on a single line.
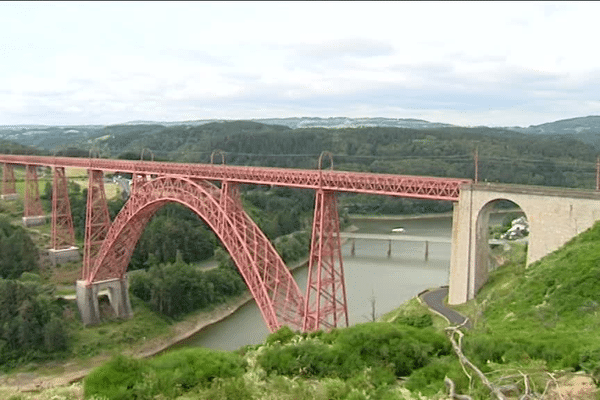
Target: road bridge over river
[(211, 192)]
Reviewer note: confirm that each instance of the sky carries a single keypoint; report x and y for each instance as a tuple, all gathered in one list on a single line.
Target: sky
[(464, 63)]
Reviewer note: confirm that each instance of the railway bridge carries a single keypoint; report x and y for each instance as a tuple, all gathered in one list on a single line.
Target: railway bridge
[(555, 215), (211, 191)]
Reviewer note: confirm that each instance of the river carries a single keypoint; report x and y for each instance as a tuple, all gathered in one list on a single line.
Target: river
[(369, 274)]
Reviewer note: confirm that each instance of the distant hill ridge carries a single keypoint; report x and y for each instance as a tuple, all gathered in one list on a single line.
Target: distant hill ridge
[(585, 129), (570, 125)]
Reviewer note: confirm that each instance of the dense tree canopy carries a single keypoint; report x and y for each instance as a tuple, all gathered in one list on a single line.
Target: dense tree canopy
[(30, 321), (18, 252), (177, 288)]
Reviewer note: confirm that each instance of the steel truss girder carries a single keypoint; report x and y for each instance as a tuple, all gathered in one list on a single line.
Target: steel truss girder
[(8, 179), (97, 221), (325, 302), (33, 204), (419, 187), (270, 282), (63, 236)]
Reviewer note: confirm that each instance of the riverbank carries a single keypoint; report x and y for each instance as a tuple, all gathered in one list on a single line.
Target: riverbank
[(186, 331), (406, 217), (409, 217), (65, 373)]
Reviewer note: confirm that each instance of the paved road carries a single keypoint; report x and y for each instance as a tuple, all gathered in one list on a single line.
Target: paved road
[(435, 300)]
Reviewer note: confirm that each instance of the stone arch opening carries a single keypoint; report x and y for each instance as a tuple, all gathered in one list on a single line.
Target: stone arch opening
[(501, 226), (270, 282)]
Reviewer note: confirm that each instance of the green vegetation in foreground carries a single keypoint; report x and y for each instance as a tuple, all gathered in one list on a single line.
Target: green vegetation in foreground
[(547, 312), (542, 321), (358, 363)]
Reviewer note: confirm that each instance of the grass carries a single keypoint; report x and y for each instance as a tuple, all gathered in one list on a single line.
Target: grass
[(65, 274), (414, 308), (117, 335), (76, 175)]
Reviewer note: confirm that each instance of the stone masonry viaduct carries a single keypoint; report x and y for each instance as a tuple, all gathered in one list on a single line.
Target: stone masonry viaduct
[(555, 216)]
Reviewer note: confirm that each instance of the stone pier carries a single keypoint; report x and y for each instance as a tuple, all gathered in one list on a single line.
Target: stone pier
[(9, 197), (34, 221), (87, 299), (62, 256)]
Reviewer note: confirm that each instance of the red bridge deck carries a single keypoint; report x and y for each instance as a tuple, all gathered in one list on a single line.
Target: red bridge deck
[(338, 181)]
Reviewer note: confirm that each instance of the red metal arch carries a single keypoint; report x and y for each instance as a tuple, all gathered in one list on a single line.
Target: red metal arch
[(269, 280)]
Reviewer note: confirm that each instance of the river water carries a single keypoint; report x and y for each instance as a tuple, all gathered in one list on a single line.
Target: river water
[(369, 274)]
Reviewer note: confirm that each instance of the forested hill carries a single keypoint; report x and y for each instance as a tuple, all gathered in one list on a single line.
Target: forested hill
[(55, 138), (9, 147), (505, 155), (586, 129)]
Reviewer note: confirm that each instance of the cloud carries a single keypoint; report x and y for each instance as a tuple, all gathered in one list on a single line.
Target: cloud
[(105, 62), (350, 47)]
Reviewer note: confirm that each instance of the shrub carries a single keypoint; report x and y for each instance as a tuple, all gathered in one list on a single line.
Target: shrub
[(282, 336), (115, 380), (429, 380), (401, 348), (196, 366), (398, 349), (418, 321), (590, 363), (307, 358), (168, 375)]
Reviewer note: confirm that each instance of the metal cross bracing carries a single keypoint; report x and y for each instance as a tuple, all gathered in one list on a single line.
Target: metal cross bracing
[(8, 180), (108, 246), (269, 280), (338, 181), (33, 204), (325, 304), (63, 236), (97, 220)]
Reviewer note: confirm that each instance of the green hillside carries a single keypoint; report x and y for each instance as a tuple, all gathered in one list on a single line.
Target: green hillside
[(535, 329)]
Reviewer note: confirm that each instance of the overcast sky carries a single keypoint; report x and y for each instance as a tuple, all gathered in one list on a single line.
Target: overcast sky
[(471, 63)]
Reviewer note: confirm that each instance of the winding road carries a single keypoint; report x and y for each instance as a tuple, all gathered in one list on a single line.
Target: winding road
[(434, 299)]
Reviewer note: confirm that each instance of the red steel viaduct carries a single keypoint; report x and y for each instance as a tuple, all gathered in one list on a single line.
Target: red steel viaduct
[(211, 192)]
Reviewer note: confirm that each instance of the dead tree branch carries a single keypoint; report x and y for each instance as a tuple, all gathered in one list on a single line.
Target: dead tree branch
[(454, 331), (452, 393)]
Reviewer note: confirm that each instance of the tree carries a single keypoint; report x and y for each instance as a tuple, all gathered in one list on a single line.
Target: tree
[(19, 253), (30, 322)]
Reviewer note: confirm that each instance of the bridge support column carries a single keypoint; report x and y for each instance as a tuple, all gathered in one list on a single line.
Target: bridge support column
[(460, 256), (34, 214), (97, 220), (118, 296), (63, 237), (87, 302), (325, 302), (8, 183), (468, 263)]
